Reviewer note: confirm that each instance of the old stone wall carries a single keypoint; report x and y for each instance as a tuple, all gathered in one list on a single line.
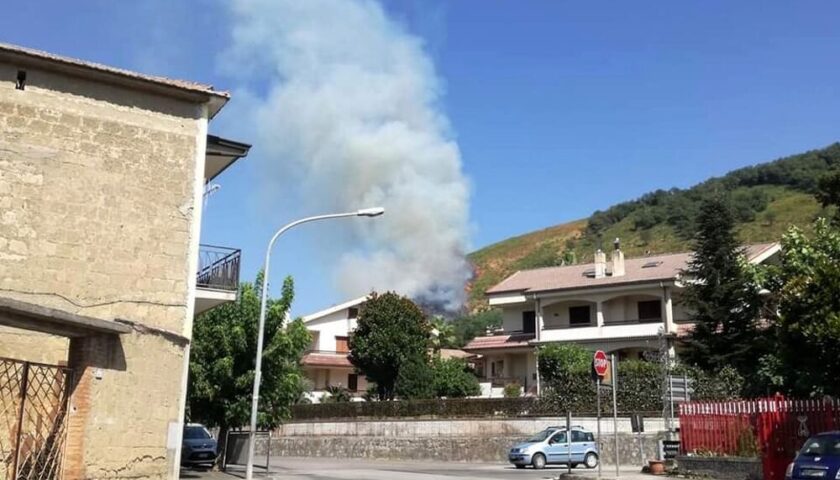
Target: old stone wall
[(96, 208), (486, 440)]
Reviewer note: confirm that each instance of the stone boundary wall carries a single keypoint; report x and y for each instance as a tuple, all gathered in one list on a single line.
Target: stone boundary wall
[(722, 468), (485, 440)]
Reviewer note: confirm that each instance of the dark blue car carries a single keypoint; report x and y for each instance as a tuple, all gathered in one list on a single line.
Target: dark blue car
[(198, 446), (819, 458)]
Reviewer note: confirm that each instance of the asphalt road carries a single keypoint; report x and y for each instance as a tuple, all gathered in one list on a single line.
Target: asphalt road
[(349, 469)]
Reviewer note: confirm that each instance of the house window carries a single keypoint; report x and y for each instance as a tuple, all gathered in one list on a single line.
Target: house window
[(497, 368), (579, 315), (352, 382), (341, 345), (650, 310), (352, 313), (529, 321)]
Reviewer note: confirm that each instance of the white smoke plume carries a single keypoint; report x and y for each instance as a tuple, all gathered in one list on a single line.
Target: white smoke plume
[(352, 108)]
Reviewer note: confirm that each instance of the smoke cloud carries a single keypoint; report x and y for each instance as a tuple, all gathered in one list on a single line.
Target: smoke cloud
[(350, 106)]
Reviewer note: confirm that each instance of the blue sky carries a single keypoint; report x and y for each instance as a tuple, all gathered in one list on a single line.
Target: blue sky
[(559, 108)]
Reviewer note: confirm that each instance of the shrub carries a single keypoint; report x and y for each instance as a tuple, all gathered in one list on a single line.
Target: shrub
[(336, 395), (454, 379), (512, 390), (415, 380)]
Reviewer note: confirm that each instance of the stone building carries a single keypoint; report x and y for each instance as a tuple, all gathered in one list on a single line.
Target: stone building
[(102, 178)]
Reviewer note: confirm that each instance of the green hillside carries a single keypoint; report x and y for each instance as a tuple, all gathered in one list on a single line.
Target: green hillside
[(767, 199)]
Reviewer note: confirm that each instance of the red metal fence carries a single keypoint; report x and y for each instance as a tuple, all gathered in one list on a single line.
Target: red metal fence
[(774, 428)]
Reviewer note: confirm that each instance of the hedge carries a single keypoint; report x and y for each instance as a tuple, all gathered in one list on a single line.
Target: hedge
[(440, 408)]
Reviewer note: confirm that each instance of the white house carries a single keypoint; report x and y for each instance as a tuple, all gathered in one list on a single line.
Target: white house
[(626, 307), (327, 364)]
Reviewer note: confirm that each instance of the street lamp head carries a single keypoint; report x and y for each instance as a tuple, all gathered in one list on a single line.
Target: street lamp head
[(370, 212)]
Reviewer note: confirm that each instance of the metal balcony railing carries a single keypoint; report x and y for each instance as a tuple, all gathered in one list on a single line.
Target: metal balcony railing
[(218, 268)]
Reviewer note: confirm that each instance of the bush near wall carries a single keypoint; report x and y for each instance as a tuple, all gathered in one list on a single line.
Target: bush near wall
[(441, 408)]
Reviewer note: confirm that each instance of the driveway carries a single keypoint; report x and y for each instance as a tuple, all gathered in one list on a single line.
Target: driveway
[(344, 469)]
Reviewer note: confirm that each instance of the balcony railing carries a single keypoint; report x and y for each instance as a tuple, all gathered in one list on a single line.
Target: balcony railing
[(607, 323), (218, 268)]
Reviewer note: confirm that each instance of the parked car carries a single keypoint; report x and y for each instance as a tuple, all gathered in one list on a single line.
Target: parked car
[(551, 446), (198, 446), (819, 458)]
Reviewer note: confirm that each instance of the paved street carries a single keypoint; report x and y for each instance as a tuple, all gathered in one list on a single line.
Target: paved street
[(343, 469)]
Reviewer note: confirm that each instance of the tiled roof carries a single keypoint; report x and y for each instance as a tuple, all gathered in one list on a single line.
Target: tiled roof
[(513, 340), (19, 51), (316, 359), (659, 267), (454, 353)]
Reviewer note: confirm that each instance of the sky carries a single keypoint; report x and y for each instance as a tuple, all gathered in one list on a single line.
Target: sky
[(558, 108)]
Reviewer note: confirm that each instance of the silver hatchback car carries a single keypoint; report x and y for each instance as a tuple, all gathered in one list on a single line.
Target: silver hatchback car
[(551, 446)]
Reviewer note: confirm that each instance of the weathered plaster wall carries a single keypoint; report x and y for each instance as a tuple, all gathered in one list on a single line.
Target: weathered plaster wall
[(96, 208)]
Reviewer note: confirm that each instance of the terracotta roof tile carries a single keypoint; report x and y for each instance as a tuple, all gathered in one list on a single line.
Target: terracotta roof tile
[(316, 359), (513, 340)]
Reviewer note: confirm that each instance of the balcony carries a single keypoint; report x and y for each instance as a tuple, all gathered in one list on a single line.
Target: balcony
[(612, 329), (217, 280)]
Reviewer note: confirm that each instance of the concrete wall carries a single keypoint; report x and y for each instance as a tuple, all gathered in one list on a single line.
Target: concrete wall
[(512, 317), (99, 213), (33, 346), (451, 440)]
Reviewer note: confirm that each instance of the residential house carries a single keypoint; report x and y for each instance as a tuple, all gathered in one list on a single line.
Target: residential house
[(626, 307), (326, 364), (102, 179)]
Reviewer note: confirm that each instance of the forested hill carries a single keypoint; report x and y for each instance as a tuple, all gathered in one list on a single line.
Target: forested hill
[(767, 198)]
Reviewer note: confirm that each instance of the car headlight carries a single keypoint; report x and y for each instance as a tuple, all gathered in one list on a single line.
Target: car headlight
[(789, 471)]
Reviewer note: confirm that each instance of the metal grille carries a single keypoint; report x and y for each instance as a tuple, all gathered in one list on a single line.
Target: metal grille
[(33, 419)]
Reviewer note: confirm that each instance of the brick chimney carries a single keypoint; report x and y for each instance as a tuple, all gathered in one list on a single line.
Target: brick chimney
[(600, 264), (617, 259)]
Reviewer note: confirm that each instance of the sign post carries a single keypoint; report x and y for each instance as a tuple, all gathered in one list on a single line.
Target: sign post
[(599, 367), (569, 440), (615, 412)]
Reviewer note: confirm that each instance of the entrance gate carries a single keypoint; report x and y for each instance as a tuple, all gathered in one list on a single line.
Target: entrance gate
[(33, 419)]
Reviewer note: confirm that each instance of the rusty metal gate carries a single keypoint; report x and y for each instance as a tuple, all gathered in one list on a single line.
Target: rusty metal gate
[(33, 419)]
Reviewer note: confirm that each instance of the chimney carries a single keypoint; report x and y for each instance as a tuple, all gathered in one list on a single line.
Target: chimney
[(617, 259), (600, 264)]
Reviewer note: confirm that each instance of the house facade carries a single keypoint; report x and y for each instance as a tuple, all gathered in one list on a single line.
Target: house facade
[(627, 307), (327, 362), (102, 179)]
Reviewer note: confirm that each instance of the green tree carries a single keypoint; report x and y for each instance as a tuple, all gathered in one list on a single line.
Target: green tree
[(222, 361), (809, 307), (828, 193), (416, 379), (390, 332), (453, 378), (443, 334), (724, 304), (474, 325)]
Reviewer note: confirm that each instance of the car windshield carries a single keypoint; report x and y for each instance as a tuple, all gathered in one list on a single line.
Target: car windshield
[(828, 445), (194, 433), (540, 437)]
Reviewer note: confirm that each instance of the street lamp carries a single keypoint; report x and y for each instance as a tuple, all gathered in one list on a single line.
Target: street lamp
[(365, 212)]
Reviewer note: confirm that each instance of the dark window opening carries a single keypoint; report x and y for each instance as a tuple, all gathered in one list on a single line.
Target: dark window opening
[(529, 321), (353, 312), (352, 382), (650, 310), (579, 315), (20, 83)]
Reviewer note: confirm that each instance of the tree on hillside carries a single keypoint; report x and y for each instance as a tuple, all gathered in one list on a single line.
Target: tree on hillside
[(809, 307), (222, 361), (391, 331), (828, 193), (724, 304)]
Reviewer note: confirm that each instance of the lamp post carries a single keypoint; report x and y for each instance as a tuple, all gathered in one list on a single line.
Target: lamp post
[(365, 212)]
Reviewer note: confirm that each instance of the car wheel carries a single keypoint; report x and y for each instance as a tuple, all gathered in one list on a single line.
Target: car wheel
[(538, 461), (520, 466), (590, 460), (574, 465)]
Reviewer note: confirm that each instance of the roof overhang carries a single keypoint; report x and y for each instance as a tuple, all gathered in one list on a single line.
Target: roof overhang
[(184, 90), (222, 153), (28, 316)]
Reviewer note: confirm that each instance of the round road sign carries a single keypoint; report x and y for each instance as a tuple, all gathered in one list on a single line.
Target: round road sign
[(600, 363)]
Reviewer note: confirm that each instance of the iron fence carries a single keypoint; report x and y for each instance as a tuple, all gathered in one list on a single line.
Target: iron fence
[(218, 268)]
